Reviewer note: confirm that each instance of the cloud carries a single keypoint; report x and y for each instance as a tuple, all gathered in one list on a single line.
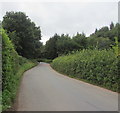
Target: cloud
[(66, 17)]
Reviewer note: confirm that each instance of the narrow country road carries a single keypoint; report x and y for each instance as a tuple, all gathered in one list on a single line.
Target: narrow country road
[(43, 89)]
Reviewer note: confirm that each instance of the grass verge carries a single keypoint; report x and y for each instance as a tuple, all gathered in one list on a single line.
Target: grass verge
[(9, 97)]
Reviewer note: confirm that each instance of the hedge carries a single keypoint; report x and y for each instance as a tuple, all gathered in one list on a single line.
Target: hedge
[(13, 67), (99, 67)]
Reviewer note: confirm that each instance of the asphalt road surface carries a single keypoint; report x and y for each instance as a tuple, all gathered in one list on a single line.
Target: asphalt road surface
[(43, 89)]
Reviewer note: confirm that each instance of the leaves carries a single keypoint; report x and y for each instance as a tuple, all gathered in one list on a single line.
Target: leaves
[(23, 33), (13, 66), (96, 66)]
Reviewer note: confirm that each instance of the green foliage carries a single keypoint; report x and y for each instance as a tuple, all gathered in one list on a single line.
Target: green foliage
[(80, 40), (65, 44), (116, 47), (95, 66), (23, 33), (13, 67), (99, 43), (105, 32), (51, 48), (9, 57), (111, 25), (101, 39), (44, 60)]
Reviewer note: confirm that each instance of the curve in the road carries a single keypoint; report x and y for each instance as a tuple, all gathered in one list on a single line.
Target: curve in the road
[(43, 89)]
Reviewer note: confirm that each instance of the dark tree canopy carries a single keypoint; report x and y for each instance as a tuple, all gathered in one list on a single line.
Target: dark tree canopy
[(111, 25), (108, 32), (102, 38), (26, 37), (51, 47), (81, 40), (24, 34)]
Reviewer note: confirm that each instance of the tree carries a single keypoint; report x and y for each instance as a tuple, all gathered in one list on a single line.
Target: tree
[(111, 26), (65, 44), (51, 48), (99, 43), (81, 40), (23, 33)]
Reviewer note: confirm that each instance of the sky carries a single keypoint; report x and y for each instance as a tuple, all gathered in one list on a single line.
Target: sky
[(55, 16)]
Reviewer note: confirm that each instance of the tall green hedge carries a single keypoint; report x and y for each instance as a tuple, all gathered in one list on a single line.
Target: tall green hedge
[(9, 67), (13, 67), (94, 66)]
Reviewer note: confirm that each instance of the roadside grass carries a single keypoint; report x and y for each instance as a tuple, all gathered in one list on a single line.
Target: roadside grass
[(9, 97)]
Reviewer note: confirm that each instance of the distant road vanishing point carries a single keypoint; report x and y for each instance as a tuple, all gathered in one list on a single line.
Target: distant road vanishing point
[(43, 89)]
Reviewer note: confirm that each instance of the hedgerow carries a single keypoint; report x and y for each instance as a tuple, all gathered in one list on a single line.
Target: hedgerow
[(98, 67), (13, 67), (44, 60)]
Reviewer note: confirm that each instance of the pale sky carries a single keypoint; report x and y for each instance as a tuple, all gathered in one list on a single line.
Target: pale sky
[(60, 17)]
